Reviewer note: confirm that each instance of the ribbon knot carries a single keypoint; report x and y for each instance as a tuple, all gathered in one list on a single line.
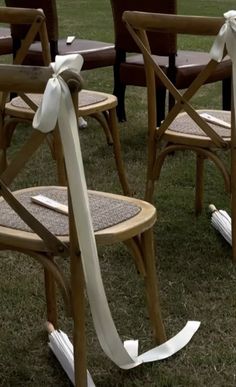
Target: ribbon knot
[(57, 94), (226, 37)]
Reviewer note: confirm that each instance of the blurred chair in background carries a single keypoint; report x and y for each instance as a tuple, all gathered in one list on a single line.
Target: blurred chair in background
[(181, 67)]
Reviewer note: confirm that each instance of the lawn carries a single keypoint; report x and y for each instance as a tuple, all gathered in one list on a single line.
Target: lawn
[(197, 277)]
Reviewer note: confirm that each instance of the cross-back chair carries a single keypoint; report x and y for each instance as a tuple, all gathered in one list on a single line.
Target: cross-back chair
[(181, 66), (35, 20), (46, 234), (101, 106), (95, 53), (185, 128)]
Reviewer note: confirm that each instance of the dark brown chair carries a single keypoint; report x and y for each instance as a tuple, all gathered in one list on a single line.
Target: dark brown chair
[(180, 66), (95, 53)]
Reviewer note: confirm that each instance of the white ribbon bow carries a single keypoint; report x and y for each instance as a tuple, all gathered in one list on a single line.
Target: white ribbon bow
[(226, 37), (56, 94), (57, 104)]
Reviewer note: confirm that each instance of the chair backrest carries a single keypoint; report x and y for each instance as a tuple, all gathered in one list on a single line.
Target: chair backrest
[(161, 45), (35, 20), (29, 79), (139, 24), (49, 8)]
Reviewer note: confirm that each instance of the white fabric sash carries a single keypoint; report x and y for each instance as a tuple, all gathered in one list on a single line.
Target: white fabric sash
[(57, 105), (227, 38)]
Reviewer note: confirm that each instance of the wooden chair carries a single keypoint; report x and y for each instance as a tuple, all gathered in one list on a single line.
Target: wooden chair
[(95, 53), (43, 233), (184, 128), (182, 67), (101, 106)]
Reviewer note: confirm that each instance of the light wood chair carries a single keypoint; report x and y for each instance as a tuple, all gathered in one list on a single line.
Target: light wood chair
[(101, 106), (44, 234), (184, 128)]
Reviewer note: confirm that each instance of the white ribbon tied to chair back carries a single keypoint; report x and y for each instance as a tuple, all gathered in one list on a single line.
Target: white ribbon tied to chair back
[(227, 38), (57, 105)]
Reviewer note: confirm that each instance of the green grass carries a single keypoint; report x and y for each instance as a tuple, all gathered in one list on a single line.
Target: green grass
[(197, 277)]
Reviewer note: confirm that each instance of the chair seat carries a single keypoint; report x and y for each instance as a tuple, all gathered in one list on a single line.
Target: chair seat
[(101, 106), (132, 71), (188, 66), (5, 41), (89, 102), (111, 214), (95, 53), (190, 63), (184, 127)]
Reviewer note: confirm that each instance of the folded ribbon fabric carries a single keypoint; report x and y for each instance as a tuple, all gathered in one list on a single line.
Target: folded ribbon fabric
[(227, 38), (57, 105)]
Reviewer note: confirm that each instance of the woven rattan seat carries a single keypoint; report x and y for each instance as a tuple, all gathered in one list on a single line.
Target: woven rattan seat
[(186, 125), (106, 211), (86, 98)]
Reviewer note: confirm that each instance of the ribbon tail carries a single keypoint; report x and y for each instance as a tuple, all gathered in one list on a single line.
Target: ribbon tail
[(106, 331), (45, 118)]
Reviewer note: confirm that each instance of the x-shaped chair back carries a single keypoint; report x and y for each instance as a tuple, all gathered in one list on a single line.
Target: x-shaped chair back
[(34, 19), (213, 132), (138, 24)]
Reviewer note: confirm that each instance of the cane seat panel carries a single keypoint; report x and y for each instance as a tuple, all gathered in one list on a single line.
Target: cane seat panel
[(186, 125), (106, 211)]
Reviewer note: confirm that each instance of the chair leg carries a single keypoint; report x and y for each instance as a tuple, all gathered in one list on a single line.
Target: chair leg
[(3, 160), (119, 92), (77, 305), (102, 118), (160, 104), (50, 292), (6, 132), (57, 154), (149, 190), (151, 285), (199, 184), (233, 198), (114, 130), (226, 93), (119, 87), (78, 311)]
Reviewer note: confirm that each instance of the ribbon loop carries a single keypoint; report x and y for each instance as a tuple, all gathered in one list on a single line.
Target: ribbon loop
[(56, 93)]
